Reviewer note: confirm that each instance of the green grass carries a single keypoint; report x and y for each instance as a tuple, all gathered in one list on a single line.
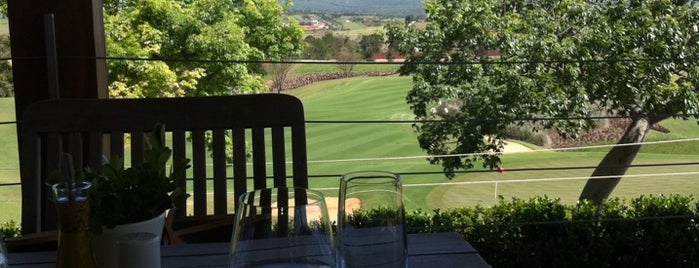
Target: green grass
[(355, 31), (564, 179), (383, 98), (360, 98), (351, 25), (9, 159), (10, 196), (554, 174), (303, 69), (679, 129), (4, 26)]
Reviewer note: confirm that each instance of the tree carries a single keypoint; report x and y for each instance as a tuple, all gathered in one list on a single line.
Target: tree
[(559, 59), (328, 47), (347, 59), (3, 8), (347, 55), (410, 18), (370, 44), (7, 88), (320, 48), (278, 72), (200, 42)]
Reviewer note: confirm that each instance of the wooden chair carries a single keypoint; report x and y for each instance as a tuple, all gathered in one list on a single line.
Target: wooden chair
[(271, 125)]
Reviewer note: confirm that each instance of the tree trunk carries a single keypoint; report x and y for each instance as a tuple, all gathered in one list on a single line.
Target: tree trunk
[(279, 73), (616, 162)]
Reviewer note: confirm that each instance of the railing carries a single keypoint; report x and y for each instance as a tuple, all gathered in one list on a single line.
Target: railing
[(493, 182), (483, 186)]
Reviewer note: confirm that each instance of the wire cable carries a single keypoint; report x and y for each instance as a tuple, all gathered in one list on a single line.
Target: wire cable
[(531, 180), (483, 119), (504, 153), (484, 61)]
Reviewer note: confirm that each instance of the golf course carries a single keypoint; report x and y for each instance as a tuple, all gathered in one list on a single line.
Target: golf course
[(337, 144)]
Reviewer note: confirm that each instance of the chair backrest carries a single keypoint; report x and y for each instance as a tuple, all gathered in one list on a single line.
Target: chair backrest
[(272, 125)]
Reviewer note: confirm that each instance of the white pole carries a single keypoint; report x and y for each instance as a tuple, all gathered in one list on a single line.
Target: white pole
[(495, 196)]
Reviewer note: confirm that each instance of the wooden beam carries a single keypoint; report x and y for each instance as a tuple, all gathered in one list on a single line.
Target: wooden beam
[(79, 32), (78, 43)]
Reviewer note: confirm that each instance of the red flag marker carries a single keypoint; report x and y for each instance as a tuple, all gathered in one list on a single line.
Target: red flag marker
[(500, 170)]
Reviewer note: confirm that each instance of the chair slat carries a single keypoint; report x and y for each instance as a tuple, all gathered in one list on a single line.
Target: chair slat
[(219, 155), (250, 117), (298, 152), (199, 172), (96, 156), (54, 147), (116, 144), (282, 215), (32, 204), (179, 153), (137, 146), (75, 149), (279, 156), (240, 183), (259, 161)]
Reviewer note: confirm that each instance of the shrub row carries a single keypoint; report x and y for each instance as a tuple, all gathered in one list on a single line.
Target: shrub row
[(647, 231), (307, 79), (540, 232)]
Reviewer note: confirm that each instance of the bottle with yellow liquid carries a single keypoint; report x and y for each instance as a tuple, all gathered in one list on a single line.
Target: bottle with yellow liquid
[(73, 208)]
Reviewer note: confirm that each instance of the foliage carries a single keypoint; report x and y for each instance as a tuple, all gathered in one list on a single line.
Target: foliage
[(524, 133), (6, 85), (138, 193), (329, 47), (370, 44), (182, 32), (347, 58), (278, 72), (10, 229), (379, 216), (647, 231), (3, 8), (309, 227), (304, 69), (510, 60), (332, 47), (209, 142)]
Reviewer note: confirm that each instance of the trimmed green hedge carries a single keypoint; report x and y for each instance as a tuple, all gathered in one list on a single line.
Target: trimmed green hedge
[(540, 232), (649, 231)]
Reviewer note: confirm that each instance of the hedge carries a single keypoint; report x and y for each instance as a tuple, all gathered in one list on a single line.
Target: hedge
[(649, 231)]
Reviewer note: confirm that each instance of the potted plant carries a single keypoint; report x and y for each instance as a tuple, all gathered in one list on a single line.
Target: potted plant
[(133, 199)]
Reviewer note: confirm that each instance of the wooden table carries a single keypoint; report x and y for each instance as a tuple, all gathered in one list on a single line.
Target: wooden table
[(424, 250)]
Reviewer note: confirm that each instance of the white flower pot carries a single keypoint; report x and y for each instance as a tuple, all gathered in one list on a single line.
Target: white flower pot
[(104, 245)]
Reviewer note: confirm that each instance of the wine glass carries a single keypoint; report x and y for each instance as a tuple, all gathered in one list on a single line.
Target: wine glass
[(282, 227), (371, 221)]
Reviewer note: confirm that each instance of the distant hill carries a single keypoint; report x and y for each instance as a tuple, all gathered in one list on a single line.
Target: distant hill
[(372, 7)]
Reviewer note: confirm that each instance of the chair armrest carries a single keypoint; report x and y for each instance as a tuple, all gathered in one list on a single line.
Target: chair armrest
[(194, 229), (43, 241)]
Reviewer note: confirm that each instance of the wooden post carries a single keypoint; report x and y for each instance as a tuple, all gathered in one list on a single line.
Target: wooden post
[(73, 67), (79, 32)]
